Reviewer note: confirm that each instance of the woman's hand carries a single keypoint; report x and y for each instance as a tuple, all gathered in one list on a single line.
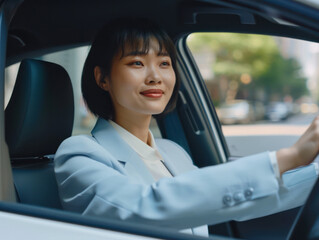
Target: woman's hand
[(302, 152)]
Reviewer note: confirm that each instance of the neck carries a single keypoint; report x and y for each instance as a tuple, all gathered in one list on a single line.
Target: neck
[(137, 125)]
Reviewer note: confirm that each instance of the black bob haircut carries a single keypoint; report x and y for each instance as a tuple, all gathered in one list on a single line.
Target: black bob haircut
[(112, 39)]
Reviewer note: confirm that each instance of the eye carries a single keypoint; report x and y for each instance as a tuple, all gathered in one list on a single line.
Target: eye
[(166, 63), (137, 63)]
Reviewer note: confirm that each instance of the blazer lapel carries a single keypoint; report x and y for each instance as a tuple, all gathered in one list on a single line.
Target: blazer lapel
[(168, 164), (175, 162), (108, 138)]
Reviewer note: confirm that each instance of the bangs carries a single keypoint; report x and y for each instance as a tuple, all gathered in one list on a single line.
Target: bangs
[(138, 43)]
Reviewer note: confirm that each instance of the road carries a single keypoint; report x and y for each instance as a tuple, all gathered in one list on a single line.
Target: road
[(245, 140)]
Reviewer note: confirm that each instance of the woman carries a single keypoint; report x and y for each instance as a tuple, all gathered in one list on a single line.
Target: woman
[(121, 172)]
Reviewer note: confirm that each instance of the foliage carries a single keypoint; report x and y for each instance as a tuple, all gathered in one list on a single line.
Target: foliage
[(254, 55), (283, 78)]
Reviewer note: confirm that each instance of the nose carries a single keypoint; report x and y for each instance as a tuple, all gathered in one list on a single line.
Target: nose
[(153, 76)]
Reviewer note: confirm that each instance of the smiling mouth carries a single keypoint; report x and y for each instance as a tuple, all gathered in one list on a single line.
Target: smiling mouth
[(153, 93)]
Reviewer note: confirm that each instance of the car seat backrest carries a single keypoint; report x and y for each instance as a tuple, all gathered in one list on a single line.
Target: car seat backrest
[(39, 116)]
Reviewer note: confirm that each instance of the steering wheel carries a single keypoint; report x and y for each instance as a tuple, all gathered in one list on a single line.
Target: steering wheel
[(306, 225)]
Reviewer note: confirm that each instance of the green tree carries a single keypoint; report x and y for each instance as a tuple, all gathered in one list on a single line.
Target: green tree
[(283, 78), (255, 58)]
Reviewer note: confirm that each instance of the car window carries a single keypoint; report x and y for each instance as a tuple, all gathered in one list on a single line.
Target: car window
[(72, 60), (264, 88)]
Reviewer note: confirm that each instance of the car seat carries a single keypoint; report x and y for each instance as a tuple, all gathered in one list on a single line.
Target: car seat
[(39, 116)]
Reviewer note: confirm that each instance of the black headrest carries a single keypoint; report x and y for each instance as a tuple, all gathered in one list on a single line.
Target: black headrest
[(40, 112)]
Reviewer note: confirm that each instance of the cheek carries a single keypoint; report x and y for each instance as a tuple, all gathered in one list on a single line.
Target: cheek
[(123, 83), (171, 80), (121, 90)]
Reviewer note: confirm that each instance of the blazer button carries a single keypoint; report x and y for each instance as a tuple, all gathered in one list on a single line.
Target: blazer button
[(249, 193), (238, 197), (228, 200)]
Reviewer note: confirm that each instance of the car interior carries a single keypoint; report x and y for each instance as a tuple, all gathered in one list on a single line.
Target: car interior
[(31, 140), (40, 113)]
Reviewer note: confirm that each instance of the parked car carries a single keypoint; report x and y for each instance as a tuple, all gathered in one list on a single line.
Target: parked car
[(240, 111), (35, 124), (277, 111), (237, 111)]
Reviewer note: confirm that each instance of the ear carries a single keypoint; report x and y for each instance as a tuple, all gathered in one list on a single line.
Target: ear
[(101, 80)]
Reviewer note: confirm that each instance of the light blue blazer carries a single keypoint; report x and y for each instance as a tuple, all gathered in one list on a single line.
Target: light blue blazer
[(100, 175)]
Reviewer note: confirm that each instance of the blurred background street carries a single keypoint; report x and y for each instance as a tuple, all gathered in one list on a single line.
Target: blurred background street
[(265, 135)]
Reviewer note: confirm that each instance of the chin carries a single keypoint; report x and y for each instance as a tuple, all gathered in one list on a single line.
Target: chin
[(154, 112)]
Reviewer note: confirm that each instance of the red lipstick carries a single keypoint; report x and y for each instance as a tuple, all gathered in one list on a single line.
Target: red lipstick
[(152, 93)]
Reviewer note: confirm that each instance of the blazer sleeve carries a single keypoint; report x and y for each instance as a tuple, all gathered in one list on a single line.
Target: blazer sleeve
[(93, 183)]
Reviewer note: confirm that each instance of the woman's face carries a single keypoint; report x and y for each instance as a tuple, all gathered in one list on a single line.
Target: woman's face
[(140, 83)]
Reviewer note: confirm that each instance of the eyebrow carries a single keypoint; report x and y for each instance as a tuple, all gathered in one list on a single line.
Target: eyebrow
[(141, 53), (134, 53), (163, 54)]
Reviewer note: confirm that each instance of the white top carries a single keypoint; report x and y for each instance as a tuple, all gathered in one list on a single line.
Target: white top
[(275, 167), (149, 154)]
